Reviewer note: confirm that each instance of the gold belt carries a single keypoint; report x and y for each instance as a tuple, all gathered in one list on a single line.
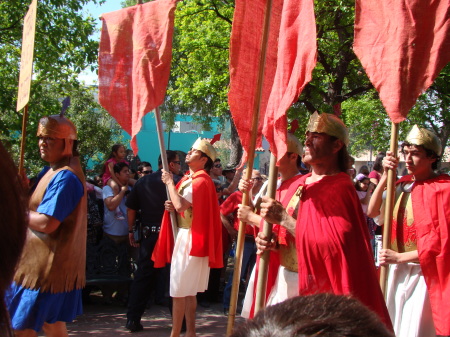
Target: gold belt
[(288, 257), (185, 219)]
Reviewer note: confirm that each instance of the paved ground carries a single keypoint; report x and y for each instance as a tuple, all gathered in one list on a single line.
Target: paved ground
[(109, 320)]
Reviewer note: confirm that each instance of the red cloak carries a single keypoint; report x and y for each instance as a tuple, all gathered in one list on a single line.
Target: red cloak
[(333, 248), (206, 225), (284, 192), (433, 243)]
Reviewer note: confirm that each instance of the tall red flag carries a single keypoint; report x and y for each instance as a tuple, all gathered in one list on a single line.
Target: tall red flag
[(134, 62), (402, 45), (291, 57)]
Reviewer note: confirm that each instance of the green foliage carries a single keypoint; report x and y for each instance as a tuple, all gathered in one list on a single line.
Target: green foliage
[(63, 48)]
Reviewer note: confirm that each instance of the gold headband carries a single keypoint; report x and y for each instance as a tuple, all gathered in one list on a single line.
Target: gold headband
[(294, 145), (56, 127), (329, 124), (425, 138), (206, 147)]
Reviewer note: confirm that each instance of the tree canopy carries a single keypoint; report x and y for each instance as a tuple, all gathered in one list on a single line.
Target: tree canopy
[(64, 47)]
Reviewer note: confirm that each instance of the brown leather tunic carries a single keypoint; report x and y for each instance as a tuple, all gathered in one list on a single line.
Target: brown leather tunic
[(55, 262)]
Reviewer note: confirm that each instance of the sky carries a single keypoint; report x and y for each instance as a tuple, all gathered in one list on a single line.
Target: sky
[(96, 11)]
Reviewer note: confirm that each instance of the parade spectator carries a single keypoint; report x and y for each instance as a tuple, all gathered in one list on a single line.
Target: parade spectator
[(13, 221), (364, 188), (117, 229), (419, 258), (46, 292), (109, 177), (282, 274), (144, 168), (198, 244), (377, 169), (228, 214), (331, 236), (147, 197), (324, 315)]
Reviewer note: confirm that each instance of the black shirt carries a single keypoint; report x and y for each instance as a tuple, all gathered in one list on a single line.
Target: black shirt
[(149, 195)]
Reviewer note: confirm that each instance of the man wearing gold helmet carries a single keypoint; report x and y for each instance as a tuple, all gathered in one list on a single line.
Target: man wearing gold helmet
[(419, 258), (198, 244), (46, 292), (332, 239), (283, 276)]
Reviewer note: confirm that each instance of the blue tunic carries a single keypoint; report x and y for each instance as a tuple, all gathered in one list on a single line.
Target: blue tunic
[(28, 308)]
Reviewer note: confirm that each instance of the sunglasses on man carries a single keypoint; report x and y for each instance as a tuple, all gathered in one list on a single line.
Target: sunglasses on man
[(147, 172)]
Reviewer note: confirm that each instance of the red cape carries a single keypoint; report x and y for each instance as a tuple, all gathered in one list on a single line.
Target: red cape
[(274, 261), (431, 208), (206, 225), (333, 249)]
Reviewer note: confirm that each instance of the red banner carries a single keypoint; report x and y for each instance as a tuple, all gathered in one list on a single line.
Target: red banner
[(402, 45), (290, 59), (134, 62)]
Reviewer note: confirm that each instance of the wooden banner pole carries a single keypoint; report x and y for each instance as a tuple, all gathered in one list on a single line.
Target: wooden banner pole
[(261, 285), (251, 156), (23, 141), (389, 206), (165, 164)]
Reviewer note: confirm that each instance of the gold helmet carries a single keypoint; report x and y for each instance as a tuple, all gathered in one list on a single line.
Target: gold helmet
[(294, 145), (329, 124), (206, 147), (59, 127), (425, 138)]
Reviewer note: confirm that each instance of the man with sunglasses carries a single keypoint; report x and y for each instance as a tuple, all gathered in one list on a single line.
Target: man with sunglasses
[(146, 199), (144, 168), (198, 243)]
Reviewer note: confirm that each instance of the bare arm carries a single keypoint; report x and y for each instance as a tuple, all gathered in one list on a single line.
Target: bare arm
[(228, 226), (389, 162), (273, 212), (245, 214), (113, 202), (389, 256), (42, 222), (179, 203)]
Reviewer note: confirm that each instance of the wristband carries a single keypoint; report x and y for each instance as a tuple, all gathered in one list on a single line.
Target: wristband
[(130, 231)]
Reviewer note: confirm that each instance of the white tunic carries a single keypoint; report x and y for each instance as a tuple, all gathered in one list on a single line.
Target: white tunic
[(188, 274)]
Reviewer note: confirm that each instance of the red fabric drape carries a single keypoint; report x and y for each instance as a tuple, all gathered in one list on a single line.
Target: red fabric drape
[(134, 62), (291, 57), (402, 45)]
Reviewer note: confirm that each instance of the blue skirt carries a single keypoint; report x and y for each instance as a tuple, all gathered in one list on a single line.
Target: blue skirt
[(29, 309)]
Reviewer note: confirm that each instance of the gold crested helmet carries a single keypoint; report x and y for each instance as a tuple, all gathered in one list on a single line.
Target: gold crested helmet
[(425, 138), (206, 147), (294, 145), (330, 124), (59, 127), (56, 126)]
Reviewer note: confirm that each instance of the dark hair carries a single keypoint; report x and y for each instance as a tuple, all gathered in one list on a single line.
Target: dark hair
[(343, 157), (209, 163), (325, 315), (429, 153), (217, 160), (13, 221), (114, 150), (378, 164), (143, 164), (171, 155), (357, 186), (119, 166)]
